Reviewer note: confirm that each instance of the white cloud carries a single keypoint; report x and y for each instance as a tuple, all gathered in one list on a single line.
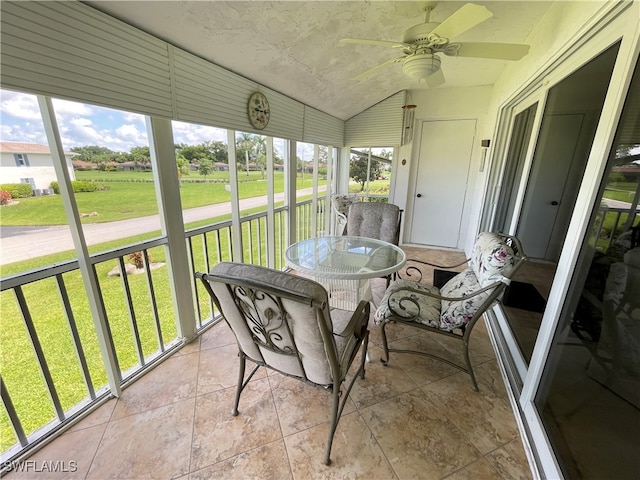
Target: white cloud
[(192, 134), (19, 106), (66, 107)]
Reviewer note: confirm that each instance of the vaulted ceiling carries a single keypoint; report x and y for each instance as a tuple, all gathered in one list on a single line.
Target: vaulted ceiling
[(294, 47)]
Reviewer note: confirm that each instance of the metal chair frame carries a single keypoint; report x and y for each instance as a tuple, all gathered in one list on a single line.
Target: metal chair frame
[(261, 336), (496, 288)]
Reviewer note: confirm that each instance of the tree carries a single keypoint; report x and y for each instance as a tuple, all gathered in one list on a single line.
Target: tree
[(140, 154), (91, 153), (205, 167), (358, 170)]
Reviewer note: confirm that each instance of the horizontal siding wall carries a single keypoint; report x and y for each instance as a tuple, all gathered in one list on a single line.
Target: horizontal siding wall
[(72, 51), (68, 50), (322, 128), (209, 94), (379, 125)]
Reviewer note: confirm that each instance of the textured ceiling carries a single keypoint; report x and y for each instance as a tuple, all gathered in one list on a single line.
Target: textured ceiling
[(293, 47)]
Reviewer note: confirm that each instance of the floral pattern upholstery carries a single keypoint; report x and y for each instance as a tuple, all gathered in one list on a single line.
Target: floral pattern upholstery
[(491, 259), (401, 299), (342, 203)]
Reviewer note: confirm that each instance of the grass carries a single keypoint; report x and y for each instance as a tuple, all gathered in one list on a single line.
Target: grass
[(130, 195), (127, 198), (18, 362)]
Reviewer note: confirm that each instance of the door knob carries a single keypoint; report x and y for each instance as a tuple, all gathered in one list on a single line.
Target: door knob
[(554, 203), (419, 195)]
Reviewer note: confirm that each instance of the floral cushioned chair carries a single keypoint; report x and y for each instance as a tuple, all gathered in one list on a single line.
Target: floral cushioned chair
[(340, 204), (454, 309), (283, 322)]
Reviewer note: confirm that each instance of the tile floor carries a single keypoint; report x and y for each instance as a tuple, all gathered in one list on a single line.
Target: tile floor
[(415, 419)]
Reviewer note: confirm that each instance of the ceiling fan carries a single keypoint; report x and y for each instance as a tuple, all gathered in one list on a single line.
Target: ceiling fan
[(422, 44)]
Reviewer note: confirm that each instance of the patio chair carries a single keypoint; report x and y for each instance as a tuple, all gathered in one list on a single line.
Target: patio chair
[(454, 309), (340, 205), (375, 220), (283, 322)]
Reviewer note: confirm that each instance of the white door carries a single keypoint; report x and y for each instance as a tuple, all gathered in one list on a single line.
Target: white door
[(544, 220), (441, 182)]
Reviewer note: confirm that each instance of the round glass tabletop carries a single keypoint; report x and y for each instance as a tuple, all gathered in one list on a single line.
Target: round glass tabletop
[(344, 257)]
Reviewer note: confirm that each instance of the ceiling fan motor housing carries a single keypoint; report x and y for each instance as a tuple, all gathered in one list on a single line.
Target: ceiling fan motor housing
[(421, 66), (419, 33)]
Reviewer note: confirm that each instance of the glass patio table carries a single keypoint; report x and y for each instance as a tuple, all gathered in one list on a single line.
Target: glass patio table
[(344, 265)]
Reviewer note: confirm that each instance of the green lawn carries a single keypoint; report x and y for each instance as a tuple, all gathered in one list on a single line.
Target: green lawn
[(128, 196)]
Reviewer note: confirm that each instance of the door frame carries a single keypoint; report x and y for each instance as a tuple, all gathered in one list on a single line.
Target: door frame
[(614, 22)]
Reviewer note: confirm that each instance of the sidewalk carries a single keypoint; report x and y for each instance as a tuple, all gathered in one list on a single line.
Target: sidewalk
[(21, 243)]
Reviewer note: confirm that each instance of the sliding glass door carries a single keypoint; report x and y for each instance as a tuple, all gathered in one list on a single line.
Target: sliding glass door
[(589, 396)]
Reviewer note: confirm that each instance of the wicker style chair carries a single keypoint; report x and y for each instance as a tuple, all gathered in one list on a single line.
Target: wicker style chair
[(283, 322), (454, 309)]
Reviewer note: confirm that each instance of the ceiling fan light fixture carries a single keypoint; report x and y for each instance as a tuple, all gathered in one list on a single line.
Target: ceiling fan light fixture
[(421, 66)]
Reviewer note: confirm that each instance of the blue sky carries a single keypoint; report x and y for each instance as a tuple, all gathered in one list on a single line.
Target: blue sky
[(82, 124)]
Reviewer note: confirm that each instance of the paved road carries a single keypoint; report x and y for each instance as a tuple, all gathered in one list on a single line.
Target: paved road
[(22, 243)]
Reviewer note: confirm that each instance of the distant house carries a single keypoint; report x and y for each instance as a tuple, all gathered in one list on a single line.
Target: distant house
[(30, 163)]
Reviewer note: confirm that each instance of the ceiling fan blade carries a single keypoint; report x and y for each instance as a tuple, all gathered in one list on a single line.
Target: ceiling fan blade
[(498, 51), (366, 41), (463, 19), (377, 68), (435, 79)]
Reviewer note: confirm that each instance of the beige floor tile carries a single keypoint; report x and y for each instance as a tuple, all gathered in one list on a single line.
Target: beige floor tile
[(421, 369), (151, 444), (355, 453), (192, 347), (218, 369), (219, 435), (217, 336), (70, 456), (417, 439), (511, 461), (268, 462), (174, 382), (478, 470), (485, 418), (380, 382), (98, 417), (301, 406)]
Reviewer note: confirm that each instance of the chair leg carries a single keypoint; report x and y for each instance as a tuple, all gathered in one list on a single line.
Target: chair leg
[(243, 362), (385, 346), (334, 423), (365, 355), (467, 360)]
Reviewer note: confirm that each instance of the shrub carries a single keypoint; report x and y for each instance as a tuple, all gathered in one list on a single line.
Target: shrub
[(18, 190), (5, 197), (78, 186)]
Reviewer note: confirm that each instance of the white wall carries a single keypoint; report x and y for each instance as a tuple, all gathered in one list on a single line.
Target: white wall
[(40, 169), (443, 104), (549, 40)]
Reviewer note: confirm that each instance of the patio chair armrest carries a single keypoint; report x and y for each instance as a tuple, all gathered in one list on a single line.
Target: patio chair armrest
[(425, 293), (357, 325), (413, 272)]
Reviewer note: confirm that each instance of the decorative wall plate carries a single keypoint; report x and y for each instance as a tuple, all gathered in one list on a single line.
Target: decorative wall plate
[(258, 110)]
